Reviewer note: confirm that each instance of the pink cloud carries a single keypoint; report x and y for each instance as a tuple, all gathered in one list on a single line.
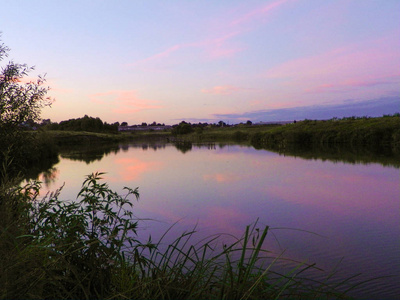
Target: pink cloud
[(163, 55), (366, 64), (217, 45), (353, 83), (214, 47), (258, 13), (221, 90), (123, 101), (219, 48)]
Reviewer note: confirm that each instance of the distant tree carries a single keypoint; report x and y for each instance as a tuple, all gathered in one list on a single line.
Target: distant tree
[(221, 124), (124, 124), (249, 122), (144, 124), (182, 128), (45, 122), (84, 124)]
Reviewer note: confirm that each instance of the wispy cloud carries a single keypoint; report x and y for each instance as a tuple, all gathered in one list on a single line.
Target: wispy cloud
[(160, 56), (258, 13), (343, 86), (123, 102), (218, 44), (373, 108), (222, 90), (213, 47), (348, 66), (220, 48)]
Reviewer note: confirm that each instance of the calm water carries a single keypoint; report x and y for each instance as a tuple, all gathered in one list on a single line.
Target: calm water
[(354, 208)]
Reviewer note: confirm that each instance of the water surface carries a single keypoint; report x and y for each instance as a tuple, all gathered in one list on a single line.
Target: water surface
[(354, 208)]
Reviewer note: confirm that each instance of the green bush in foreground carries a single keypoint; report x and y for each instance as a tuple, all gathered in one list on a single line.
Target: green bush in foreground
[(89, 249)]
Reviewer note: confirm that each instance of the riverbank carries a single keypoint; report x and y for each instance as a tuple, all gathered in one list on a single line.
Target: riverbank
[(381, 133), (376, 134), (64, 138), (372, 135)]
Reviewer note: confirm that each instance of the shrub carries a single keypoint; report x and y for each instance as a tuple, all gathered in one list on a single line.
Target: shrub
[(182, 128), (240, 136)]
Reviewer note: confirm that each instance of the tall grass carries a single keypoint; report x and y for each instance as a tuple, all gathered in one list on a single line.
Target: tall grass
[(89, 249), (376, 134)]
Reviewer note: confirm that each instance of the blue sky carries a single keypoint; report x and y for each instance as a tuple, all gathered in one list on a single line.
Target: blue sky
[(205, 61)]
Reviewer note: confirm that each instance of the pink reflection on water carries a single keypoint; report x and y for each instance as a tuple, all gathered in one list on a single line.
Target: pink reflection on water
[(341, 189), (221, 177), (224, 219), (132, 168)]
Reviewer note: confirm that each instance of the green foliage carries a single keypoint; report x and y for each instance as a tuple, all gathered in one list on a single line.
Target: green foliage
[(86, 123), (20, 104), (87, 236), (182, 128), (79, 244), (376, 134), (240, 136)]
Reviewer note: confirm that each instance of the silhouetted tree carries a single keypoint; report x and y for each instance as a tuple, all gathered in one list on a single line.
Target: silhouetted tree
[(182, 128), (221, 124), (20, 102), (20, 105)]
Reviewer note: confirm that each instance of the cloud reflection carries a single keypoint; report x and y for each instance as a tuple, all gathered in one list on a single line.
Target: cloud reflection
[(221, 177), (132, 168)]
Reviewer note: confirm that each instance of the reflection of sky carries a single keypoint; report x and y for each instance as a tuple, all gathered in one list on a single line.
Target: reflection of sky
[(355, 207)]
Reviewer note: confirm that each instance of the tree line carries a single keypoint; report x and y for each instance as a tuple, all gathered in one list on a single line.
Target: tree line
[(86, 123)]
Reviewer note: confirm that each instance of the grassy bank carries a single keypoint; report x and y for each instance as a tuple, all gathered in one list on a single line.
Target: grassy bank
[(90, 249), (239, 134), (372, 133), (377, 134), (63, 138)]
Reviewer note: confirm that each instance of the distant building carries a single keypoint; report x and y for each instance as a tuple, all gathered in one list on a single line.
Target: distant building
[(45, 122), (270, 123), (143, 128)]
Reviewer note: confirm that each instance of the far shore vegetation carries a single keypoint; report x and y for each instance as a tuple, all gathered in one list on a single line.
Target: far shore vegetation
[(378, 134), (91, 248)]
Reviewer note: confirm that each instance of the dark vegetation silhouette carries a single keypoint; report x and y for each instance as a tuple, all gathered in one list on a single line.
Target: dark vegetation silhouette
[(89, 124), (375, 134), (21, 102)]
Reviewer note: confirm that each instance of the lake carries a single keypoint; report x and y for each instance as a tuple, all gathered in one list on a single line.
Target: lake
[(335, 214)]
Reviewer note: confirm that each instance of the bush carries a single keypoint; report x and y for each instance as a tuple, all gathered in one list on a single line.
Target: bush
[(182, 128), (240, 136), (77, 245)]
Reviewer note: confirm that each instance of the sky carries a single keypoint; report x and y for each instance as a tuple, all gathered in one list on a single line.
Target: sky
[(206, 61)]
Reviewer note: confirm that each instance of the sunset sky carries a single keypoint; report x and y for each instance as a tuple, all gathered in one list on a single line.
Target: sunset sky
[(205, 61)]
